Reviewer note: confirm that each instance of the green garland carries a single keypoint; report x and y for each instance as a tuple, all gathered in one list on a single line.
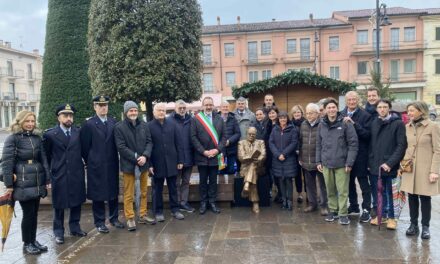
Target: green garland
[(292, 78)]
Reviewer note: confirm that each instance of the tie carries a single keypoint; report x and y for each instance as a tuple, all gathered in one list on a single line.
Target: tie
[(350, 114), (241, 114), (68, 135)]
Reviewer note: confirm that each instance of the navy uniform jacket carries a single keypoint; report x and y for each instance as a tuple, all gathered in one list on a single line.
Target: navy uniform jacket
[(66, 167), (101, 158)]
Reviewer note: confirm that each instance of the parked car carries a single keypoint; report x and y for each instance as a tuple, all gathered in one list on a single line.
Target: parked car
[(401, 108), (432, 112)]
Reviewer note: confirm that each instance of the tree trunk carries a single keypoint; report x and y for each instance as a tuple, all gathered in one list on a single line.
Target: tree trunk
[(149, 106)]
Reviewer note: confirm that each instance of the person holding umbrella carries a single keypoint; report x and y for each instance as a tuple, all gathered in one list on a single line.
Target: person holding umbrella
[(387, 148), (23, 154)]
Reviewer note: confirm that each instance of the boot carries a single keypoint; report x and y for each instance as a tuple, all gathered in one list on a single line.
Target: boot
[(412, 230), (425, 232), (30, 248), (256, 208)]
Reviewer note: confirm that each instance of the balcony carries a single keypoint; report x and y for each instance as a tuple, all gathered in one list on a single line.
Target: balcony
[(33, 76), (11, 74), (297, 59), (9, 96), (259, 61), (208, 63), (389, 47), (400, 77), (34, 97)]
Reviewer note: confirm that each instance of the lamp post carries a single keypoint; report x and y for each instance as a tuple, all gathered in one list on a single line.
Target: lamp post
[(316, 40), (381, 20)]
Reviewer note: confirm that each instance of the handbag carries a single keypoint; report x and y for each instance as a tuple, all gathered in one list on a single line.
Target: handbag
[(407, 165)]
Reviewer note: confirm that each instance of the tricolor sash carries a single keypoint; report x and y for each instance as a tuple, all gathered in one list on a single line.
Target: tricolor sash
[(210, 129)]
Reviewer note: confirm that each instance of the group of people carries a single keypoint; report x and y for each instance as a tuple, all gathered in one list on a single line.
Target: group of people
[(323, 149)]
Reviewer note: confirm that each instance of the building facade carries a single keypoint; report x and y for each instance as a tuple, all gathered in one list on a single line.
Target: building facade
[(341, 47), (431, 59), (20, 82)]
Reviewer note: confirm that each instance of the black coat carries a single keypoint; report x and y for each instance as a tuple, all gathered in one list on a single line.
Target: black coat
[(202, 141), (101, 158), (232, 133), (66, 167), (371, 109), (362, 124), (284, 142), (167, 148), (262, 129), (20, 148), (184, 127), (388, 144), (132, 141)]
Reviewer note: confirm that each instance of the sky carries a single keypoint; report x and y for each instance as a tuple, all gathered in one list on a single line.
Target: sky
[(23, 22)]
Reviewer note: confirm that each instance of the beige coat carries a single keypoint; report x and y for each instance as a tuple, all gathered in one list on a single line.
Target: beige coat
[(427, 158), (250, 169)]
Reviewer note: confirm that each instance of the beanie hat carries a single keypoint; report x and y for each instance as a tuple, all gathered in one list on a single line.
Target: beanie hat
[(128, 105)]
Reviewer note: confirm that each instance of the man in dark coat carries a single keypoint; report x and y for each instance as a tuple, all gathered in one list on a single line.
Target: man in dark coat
[(361, 120), (232, 135), (101, 158), (208, 138), (63, 150), (182, 119), (372, 99), (133, 140), (166, 160), (268, 103)]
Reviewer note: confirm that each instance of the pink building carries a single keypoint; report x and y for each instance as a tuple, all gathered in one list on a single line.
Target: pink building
[(341, 47)]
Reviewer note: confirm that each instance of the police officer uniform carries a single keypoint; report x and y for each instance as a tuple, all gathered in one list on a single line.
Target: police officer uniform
[(63, 149), (101, 158)]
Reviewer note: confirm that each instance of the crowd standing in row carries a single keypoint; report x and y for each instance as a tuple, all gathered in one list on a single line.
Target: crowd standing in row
[(324, 150)]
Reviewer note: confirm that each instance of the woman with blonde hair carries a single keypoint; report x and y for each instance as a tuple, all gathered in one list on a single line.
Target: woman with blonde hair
[(26, 174), (297, 118), (420, 178)]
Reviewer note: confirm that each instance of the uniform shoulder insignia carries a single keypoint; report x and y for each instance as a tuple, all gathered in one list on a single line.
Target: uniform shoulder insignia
[(49, 129), (88, 118)]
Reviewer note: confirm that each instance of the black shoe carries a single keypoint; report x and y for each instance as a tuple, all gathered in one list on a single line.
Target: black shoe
[(365, 217), (117, 224), (278, 199), (80, 233), (214, 208), (412, 230), (59, 240), (300, 199), (186, 208), (353, 210), (39, 246), (202, 209), (284, 205), (331, 217), (344, 220), (425, 232), (102, 229), (289, 205), (30, 248)]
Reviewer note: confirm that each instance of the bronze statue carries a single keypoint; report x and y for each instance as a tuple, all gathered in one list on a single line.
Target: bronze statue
[(251, 153)]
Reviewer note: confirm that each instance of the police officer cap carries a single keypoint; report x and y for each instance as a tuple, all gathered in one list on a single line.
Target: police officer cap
[(101, 99), (65, 109)]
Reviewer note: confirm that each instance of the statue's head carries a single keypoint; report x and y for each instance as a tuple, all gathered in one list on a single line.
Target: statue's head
[(251, 134)]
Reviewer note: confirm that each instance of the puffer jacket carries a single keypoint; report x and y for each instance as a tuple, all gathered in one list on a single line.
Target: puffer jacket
[(284, 142), (23, 155), (307, 145), (233, 134)]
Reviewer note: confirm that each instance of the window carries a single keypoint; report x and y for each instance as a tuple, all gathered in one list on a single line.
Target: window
[(252, 52), (409, 66), (333, 43), (29, 69), (394, 70), (305, 48), (305, 69), (10, 69), (409, 34), (266, 47), (266, 74), (207, 59), (334, 72), (362, 37), (253, 76), (31, 88), (208, 82), (229, 50), (437, 33), (362, 67), (437, 66), (291, 46), (395, 38), (12, 89), (230, 78)]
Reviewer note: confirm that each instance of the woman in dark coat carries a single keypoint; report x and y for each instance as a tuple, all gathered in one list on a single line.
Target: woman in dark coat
[(26, 174), (297, 113), (272, 116), (283, 143)]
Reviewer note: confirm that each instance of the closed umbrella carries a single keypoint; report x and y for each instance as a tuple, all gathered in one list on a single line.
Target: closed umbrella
[(379, 198), (6, 212)]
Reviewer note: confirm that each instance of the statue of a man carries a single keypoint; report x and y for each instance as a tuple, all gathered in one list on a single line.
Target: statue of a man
[(251, 153)]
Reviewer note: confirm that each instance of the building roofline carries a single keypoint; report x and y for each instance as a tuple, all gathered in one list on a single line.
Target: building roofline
[(20, 52)]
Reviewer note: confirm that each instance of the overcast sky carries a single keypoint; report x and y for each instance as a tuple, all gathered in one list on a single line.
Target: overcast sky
[(23, 22)]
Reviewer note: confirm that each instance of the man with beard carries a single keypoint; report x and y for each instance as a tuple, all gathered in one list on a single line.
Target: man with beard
[(63, 149), (133, 140)]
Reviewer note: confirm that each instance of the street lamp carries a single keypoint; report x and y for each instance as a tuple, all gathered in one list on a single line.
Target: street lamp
[(382, 20), (314, 70)]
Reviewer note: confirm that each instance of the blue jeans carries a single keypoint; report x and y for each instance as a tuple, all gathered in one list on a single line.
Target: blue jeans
[(387, 195)]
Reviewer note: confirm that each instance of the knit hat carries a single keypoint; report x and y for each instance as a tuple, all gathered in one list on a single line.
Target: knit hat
[(129, 105)]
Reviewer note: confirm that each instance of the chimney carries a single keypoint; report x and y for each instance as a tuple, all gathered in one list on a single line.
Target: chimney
[(7, 44), (238, 20), (273, 19), (218, 21), (36, 51), (311, 18)]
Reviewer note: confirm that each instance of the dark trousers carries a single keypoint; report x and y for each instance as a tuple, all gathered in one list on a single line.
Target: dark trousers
[(311, 177), (98, 208), (208, 183), (58, 220), (413, 200), (299, 180), (158, 194), (182, 184), (387, 195), (365, 188), (286, 186), (29, 221)]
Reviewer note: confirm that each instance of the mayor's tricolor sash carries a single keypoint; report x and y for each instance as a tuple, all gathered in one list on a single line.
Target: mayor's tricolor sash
[(207, 125)]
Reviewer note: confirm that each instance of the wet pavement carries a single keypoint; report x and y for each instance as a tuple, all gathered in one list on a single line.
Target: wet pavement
[(234, 236)]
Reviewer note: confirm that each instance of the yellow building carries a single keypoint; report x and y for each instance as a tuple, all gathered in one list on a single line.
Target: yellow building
[(431, 61), (20, 82)]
